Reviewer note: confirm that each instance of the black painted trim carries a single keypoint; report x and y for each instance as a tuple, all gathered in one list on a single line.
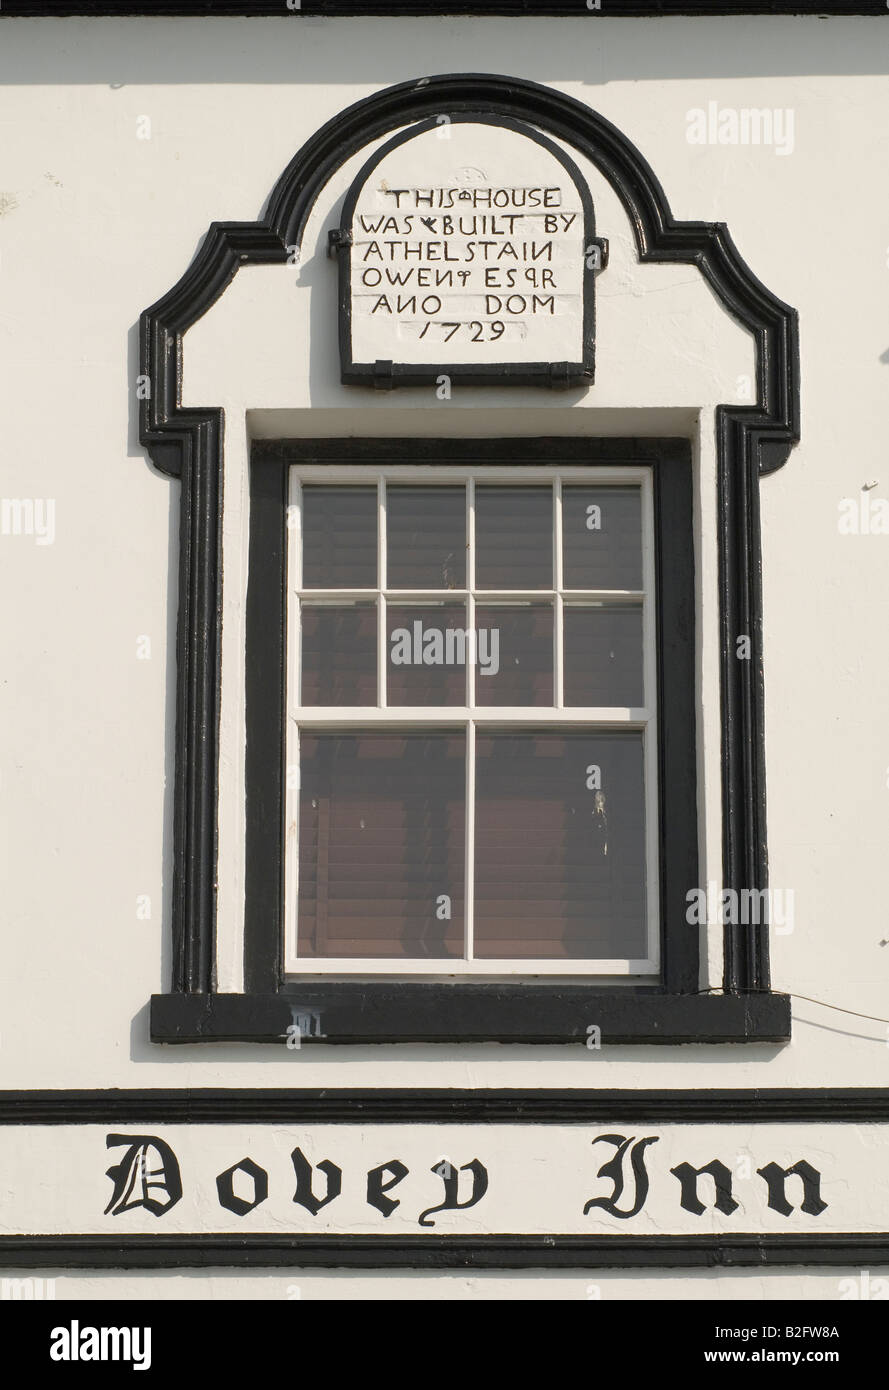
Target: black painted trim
[(551, 9), (531, 1013), (378, 1106), (442, 1008), (187, 443), (266, 728), (569, 374), (283, 1251), (677, 740)]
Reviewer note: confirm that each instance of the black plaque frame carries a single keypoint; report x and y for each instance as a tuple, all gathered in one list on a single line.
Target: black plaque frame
[(385, 375)]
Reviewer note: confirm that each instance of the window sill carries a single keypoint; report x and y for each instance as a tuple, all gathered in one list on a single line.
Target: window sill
[(409, 1012)]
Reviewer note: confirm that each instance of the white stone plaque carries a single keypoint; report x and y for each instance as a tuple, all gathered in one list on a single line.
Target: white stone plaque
[(468, 251)]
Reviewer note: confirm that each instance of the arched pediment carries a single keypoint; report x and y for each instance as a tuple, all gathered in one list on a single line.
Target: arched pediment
[(771, 424)]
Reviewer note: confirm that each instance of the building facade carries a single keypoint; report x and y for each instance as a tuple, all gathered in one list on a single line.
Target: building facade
[(444, 738)]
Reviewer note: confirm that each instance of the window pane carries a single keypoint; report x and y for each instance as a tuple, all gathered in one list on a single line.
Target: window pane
[(602, 538), (339, 655), (514, 537), (426, 537), (381, 852), (427, 653), (515, 655), (560, 847), (339, 537), (603, 656)]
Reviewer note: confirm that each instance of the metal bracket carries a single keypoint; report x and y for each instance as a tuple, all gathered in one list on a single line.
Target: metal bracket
[(338, 239), (384, 377)]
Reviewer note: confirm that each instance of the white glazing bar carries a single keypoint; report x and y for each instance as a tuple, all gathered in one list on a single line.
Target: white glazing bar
[(382, 646), (497, 473), (559, 614), (293, 639), (295, 531), (456, 716), (329, 596), (591, 598), (469, 870), (293, 615), (470, 587), (381, 968), (480, 595), (469, 814), (424, 595), (649, 677), (291, 849)]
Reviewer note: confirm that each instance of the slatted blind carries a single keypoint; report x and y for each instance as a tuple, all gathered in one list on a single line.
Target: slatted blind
[(381, 859)]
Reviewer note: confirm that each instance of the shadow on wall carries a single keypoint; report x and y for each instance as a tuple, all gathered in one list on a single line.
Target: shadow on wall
[(135, 450), (592, 49)]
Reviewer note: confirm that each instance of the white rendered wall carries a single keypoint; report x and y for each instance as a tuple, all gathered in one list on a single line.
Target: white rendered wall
[(96, 223)]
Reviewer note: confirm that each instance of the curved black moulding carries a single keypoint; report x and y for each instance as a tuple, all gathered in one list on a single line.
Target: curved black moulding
[(187, 443)]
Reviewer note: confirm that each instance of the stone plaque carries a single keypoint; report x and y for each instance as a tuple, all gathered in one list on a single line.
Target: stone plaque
[(468, 253)]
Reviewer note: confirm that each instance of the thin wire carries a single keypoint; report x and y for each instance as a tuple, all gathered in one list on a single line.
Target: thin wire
[(837, 1008)]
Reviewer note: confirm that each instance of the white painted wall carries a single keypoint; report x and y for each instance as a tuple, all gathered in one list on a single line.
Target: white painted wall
[(97, 223)]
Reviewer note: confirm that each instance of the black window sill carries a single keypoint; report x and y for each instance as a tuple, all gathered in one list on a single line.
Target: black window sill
[(342, 1013)]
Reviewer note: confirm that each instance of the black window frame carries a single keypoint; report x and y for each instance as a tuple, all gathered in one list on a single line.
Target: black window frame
[(443, 1007)]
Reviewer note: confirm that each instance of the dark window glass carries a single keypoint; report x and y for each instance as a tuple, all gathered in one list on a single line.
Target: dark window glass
[(427, 651), (381, 845), (339, 537), (426, 537), (339, 655), (603, 656), (601, 537), (514, 537), (515, 647), (560, 846)]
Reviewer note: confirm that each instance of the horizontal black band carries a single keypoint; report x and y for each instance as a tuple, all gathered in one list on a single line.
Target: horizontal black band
[(837, 1105), (259, 1250), (615, 9)]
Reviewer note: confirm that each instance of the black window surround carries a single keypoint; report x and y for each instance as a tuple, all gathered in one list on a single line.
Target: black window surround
[(448, 1006), (187, 443)]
